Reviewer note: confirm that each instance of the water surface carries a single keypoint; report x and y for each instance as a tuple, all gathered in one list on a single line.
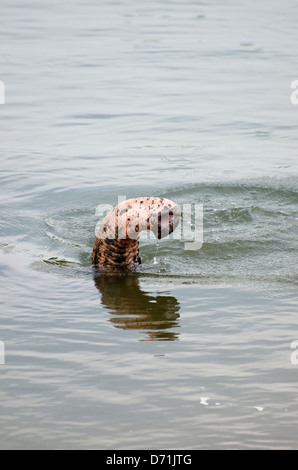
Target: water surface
[(185, 100)]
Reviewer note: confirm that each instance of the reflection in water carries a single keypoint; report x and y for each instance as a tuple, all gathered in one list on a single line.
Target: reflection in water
[(133, 309)]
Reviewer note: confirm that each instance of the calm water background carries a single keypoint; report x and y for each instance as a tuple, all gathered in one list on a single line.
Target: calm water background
[(183, 99)]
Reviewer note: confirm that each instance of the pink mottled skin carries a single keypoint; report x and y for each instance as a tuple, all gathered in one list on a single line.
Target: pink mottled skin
[(117, 240)]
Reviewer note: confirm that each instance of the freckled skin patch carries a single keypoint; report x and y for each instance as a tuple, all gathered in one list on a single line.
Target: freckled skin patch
[(117, 240)]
